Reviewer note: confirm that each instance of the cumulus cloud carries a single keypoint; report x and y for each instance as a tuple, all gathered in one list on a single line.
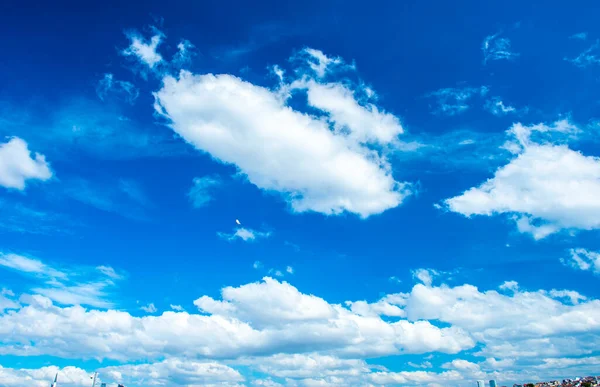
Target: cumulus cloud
[(317, 163), (545, 188), (583, 259), (201, 192), (262, 318), (425, 275), (495, 47), (451, 101), (17, 165)]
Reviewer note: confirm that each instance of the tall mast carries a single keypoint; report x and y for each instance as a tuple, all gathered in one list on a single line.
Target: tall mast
[(94, 381)]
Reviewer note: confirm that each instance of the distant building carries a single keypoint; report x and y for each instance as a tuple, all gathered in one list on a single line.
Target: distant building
[(481, 383), (492, 383)]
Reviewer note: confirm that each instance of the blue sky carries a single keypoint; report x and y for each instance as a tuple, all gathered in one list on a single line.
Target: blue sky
[(401, 193)]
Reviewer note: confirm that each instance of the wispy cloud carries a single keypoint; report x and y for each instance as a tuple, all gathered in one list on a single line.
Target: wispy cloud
[(497, 107), (150, 308), (245, 234), (455, 100), (201, 192), (108, 86), (495, 47), (144, 50), (123, 197), (75, 285), (580, 36), (583, 259), (587, 58)]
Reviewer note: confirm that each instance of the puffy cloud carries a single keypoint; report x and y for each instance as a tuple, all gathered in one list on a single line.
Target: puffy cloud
[(316, 164), (320, 63), (545, 188), (17, 165), (496, 48), (583, 259), (245, 234), (425, 275), (201, 192), (452, 101), (365, 123), (144, 50), (261, 318)]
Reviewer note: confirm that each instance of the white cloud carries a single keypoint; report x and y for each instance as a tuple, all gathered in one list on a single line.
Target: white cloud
[(583, 259), (201, 192), (17, 165), (589, 57), (122, 89), (451, 101), (257, 265), (184, 54), (545, 188), (144, 50), (74, 286), (289, 269), (283, 150), (496, 48), (319, 62), (278, 332), (510, 285), (150, 308), (177, 308), (260, 318), (245, 234), (364, 122), (497, 107)]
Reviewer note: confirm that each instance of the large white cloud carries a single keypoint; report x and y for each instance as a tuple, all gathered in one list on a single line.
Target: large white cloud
[(297, 339), (238, 325), (546, 187), (311, 161), (17, 165)]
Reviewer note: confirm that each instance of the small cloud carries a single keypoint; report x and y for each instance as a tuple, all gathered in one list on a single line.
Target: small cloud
[(294, 246), (451, 101), (571, 295), (580, 36), (245, 234), (496, 48), (425, 275), (394, 279), (238, 222), (497, 107), (184, 54), (201, 192), (276, 273), (177, 308), (144, 50), (582, 259), (121, 89), (17, 165), (150, 308), (510, 285), (587, 58), (289, 269), (320, 63), (109, 272)]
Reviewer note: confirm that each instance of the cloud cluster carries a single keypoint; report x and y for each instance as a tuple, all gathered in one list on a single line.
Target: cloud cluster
[(451, 101), (583, 259), (495, 47), (545, 188)]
